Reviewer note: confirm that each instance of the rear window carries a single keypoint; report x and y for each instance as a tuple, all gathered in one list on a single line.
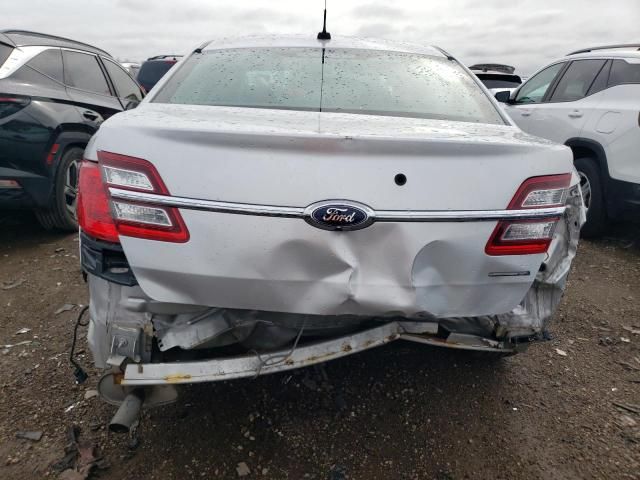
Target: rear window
[(500, 84), (126, 88), (151, 72), (500, 81), (623, 72), (333, 80), (5, 51), (577, 80), (83, 71), (48, 63)]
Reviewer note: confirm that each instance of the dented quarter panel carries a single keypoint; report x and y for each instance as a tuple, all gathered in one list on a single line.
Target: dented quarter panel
[(288, 266), (295, 159)]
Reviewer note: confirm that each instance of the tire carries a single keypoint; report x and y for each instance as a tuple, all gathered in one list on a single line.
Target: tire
[(61, 215), (593, 195)]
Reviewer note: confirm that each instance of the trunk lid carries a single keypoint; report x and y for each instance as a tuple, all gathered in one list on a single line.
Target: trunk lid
[(295, 159), (277, 157)]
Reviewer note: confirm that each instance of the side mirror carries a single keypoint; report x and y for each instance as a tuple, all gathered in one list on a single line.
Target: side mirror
[(503, 96), (131, 104)]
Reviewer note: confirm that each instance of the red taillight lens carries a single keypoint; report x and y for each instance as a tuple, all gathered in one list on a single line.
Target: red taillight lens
[(521, 237), (131, 173), (150, 222), (526, 237), (541, 192), (52, 153), (107, 218), (94, 211), (141, 220)]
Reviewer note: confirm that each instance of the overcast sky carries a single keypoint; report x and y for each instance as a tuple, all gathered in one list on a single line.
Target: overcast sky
[(525, 33)]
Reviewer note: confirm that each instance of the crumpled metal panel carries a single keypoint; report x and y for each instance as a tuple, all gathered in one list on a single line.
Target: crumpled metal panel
[(388, 269), (529, 317), (109, 317), (196, 326), (533, 313), (254, 364), (544, 296), (295, 159)]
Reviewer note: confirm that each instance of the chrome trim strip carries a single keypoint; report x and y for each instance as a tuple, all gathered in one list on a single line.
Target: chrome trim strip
[(302, 212), (523, 273), (208, 205), (466, 215)]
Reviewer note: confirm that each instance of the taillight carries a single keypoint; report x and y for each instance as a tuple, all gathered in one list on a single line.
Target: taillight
[(52, 153), (132, 219), (542, 192), (94, 211), (10, 104), (131, 173), (10, 184), (526, 237)]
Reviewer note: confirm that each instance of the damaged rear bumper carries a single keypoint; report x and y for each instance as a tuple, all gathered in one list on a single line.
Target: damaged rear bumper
[(160, 343), (253, 364)]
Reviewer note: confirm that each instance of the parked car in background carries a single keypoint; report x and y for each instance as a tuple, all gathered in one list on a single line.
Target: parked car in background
[(154, 68), (497, 77), (132, 68), (277, 203), (54, 94), (589, 101)]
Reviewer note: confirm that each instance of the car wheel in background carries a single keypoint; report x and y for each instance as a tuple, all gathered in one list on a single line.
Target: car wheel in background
[(62, 214), (593, 196)]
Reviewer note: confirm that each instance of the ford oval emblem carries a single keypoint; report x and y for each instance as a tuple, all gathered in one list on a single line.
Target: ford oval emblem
[(339, 215)]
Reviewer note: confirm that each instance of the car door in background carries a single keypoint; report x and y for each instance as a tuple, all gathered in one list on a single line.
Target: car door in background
[(27, 141), (570, 101), (614, 122), (127, 90), (530, 95), (88, 87)]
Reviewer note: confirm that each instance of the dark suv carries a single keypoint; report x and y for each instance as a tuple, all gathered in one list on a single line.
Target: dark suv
[(154, 68), (54, 94)]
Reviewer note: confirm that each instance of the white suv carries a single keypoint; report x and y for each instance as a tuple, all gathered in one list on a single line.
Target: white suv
[(590, 101)]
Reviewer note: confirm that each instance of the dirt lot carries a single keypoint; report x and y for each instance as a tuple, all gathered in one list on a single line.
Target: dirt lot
[(403, 411)]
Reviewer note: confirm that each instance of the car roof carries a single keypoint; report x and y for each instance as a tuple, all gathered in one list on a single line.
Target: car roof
[(608, 51), (23, 38), (310, 41)]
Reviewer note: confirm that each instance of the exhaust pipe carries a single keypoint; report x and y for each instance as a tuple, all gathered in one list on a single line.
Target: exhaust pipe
[(128, 412)]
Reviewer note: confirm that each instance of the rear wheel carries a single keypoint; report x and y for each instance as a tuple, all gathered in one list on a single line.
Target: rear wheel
[(591, 187), (62, 213)]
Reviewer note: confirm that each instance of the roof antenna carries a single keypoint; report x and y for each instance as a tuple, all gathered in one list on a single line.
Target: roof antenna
[(324, 35)]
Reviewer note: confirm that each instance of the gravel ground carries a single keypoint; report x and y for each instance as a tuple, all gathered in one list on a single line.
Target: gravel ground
[(562, 410)]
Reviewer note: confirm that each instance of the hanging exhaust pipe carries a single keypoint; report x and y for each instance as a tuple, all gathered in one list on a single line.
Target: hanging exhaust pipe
[(128, 412)]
